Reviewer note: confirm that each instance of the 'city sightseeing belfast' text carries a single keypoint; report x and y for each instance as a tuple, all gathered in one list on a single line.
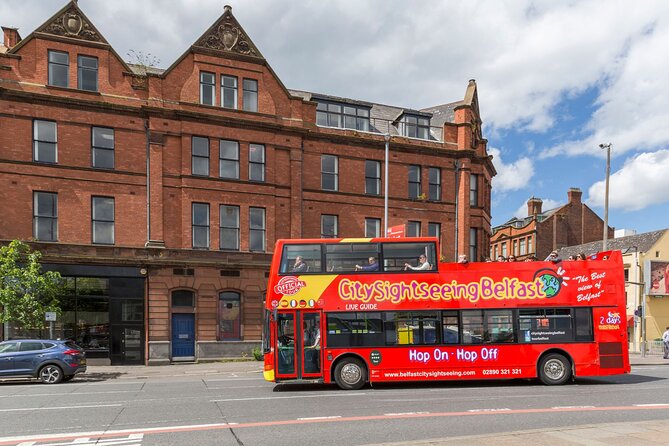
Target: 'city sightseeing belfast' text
[(396, 292)]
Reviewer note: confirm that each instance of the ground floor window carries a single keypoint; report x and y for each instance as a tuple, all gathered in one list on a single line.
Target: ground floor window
[(229, 316), (96, 313)]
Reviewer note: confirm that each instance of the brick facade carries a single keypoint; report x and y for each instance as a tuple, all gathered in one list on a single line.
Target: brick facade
[(155, 113)]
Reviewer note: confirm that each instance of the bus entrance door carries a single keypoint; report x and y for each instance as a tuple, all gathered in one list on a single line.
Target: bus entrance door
[(298, 345), (311, 344), (285, 345)]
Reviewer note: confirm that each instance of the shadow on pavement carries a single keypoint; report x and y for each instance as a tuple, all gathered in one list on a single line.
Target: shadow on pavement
[(605, 380)]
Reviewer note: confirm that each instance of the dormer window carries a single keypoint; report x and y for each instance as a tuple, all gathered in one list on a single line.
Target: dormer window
[(347, 116), (415, 126)]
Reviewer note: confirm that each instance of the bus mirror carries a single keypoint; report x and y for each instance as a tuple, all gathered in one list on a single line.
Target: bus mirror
[(275, 312)]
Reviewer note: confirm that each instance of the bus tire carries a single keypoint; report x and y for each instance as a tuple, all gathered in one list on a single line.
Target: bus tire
[(554, 369), (350, 374)]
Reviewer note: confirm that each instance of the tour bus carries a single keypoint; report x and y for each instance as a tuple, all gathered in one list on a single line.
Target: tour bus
[(358, 311)]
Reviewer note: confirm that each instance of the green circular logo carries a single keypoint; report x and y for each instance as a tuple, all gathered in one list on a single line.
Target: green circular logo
[(551, 284)]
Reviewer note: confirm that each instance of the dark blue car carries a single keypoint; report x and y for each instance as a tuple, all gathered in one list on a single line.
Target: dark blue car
[(50, 361)]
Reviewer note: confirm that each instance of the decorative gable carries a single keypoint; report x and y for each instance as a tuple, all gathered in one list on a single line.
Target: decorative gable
[(227, 35), (72, 22)]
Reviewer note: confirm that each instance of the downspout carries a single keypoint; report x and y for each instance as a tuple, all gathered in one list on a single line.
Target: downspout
[(457, 165), (301, 188), (148, 183)]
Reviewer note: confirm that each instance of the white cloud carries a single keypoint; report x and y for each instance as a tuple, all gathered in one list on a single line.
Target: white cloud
[(513, 176), (546, 205), (526, 56), (641, 182)]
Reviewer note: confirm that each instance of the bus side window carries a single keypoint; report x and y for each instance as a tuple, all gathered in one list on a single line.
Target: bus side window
[(450, 327)]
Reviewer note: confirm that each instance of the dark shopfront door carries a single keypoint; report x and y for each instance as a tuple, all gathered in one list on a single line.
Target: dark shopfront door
[(127, 331)]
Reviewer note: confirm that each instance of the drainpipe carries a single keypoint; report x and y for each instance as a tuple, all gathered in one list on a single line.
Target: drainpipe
[(457, 165), (148, 182)]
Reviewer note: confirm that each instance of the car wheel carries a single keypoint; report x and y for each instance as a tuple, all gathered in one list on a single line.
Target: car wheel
[(51, 374), (554, 369), (350, 374)]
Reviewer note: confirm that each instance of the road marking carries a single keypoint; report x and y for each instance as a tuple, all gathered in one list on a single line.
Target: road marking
[(503, 409), (293, 397), (319, 418), (404, 414), (572, 407), (652, 405), (257, 424), (27, 395), (132, 439), (25, 409)]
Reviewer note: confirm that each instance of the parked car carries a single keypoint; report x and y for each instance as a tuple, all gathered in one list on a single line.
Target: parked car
[(52, 361)]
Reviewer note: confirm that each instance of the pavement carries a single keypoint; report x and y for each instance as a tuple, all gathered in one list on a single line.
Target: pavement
[(629, 433)]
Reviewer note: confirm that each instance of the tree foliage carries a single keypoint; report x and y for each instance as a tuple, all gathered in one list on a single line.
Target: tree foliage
[(26, 293)]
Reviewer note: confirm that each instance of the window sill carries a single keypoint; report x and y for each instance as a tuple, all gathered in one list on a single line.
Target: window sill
[(73, 90)]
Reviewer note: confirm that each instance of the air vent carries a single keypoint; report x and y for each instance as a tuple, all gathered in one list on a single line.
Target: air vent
[(230, 273), (183, 271)]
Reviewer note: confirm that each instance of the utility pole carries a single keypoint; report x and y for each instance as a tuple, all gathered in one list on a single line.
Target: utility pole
[(606, 194)]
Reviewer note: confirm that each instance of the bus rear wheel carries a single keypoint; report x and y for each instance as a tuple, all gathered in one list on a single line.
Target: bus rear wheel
[(554, 369), (350, 374)]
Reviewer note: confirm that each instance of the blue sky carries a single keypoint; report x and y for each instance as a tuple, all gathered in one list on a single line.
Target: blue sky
[(555, 79)]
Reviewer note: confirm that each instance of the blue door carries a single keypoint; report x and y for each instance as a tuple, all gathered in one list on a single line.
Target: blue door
[(183, 336)]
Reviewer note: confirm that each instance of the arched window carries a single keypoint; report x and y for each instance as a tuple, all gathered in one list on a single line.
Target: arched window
[(183, 298), (229, 316)]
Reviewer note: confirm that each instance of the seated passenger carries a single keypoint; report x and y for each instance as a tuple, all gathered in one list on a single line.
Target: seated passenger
[(373, 265), (299, 266), (422, 264)]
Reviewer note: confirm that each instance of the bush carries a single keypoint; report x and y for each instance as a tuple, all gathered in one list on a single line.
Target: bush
[(257, 354)]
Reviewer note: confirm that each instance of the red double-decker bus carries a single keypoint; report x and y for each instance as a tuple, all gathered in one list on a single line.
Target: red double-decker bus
[(357, 311)]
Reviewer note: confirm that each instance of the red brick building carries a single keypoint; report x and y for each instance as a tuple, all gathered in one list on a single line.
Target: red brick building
[(544, 231), (159, 194)]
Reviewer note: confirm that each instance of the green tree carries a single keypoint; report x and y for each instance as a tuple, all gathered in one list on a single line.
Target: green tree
[(26, 292)]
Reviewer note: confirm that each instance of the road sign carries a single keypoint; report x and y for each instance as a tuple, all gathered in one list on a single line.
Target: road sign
[(50, 316)]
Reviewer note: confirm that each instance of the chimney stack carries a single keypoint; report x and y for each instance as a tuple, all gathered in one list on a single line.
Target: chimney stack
[(11, 36), (534, 206), (574, 195)]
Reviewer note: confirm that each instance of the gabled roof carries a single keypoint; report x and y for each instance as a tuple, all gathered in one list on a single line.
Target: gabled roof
[(227, 35), (641, 242), (70, 22)]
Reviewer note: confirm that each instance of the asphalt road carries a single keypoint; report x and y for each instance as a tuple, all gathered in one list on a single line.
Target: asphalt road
[(245, 410)]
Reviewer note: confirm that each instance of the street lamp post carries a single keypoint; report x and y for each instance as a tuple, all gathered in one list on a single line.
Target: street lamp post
[(606, 194), (385, 187)]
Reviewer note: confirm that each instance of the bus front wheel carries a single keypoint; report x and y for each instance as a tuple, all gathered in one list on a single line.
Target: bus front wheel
[(554, 369), (350, 374)]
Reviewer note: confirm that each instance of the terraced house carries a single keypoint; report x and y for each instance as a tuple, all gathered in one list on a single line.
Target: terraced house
[(159, 193)]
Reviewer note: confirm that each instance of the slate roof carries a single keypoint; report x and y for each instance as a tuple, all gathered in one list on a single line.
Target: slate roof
[(442, 113), (382, 116), (642, 242)]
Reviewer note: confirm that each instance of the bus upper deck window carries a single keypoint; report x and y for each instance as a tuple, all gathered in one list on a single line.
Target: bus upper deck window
[(299, 259)]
